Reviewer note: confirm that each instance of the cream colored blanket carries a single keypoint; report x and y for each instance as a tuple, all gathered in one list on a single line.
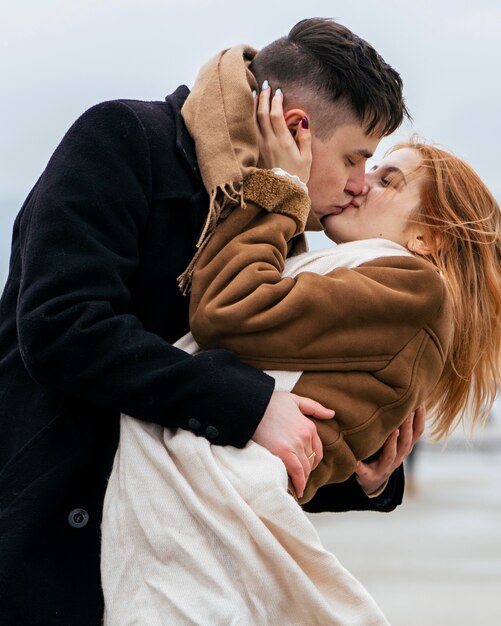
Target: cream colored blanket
[(199, 534)]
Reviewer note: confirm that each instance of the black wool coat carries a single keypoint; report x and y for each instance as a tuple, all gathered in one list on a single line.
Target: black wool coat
[(88, 314)]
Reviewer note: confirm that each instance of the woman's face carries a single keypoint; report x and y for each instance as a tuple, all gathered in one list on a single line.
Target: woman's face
[(393, 195)]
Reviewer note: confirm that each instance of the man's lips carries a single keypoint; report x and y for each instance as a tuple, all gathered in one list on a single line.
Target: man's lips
[(339, 209)]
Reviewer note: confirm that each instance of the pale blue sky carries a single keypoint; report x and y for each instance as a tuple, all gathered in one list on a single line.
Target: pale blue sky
[(58, 57)]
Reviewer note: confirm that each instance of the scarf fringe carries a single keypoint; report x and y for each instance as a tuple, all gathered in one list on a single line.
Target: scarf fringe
[(223, 199)]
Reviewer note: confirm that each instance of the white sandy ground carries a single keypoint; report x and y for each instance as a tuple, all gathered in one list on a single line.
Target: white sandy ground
[(436, 560)]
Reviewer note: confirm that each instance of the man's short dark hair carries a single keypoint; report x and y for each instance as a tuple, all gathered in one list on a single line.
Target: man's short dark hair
[(321, 62)]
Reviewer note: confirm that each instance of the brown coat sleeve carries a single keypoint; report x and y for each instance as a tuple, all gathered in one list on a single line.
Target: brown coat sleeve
[(371, 340)]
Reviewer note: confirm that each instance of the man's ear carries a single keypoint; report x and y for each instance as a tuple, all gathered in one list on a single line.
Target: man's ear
[(293, 117)]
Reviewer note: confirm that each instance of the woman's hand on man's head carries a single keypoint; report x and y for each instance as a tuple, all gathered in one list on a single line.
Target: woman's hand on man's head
[(283, 143)]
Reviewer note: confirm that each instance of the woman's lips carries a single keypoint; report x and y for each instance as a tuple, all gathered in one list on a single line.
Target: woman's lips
[(339, 209)]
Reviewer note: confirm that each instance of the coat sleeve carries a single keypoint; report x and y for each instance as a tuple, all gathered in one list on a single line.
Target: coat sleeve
[(79, 239), (241, 302), (349, 496)]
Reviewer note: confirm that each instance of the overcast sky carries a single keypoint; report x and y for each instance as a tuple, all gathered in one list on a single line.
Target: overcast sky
[(58, 57)]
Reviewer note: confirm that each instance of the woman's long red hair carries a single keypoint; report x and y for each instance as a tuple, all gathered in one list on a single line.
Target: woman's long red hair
[(462, 223)]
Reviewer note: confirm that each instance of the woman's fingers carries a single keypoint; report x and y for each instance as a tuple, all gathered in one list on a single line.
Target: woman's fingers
[(263, 110), (278, 123), (278, 145), (271, 120), (302, 137), (255, 101)]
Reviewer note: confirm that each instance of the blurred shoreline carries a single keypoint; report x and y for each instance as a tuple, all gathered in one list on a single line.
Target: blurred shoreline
[(436, 560)]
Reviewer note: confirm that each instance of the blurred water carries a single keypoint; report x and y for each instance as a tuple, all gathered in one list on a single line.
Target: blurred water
[(436, 560)]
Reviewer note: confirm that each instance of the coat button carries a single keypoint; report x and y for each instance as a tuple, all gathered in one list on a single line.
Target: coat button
[(211, 432), (78, 518), (193, 424)]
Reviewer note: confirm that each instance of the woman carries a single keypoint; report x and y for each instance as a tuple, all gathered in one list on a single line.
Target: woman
[(406, 310), (430, 204)]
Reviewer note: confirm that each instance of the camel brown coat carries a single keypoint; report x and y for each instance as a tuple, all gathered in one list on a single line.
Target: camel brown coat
[(371, 341)]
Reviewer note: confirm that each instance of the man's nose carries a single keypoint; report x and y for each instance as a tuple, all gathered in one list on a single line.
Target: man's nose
[(365, 189), (356, 184)]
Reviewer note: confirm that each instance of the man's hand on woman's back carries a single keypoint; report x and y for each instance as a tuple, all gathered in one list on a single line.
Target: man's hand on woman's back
[(372, 477), (286, 432)]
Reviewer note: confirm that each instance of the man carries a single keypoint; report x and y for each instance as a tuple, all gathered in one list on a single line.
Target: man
[(92, 306)]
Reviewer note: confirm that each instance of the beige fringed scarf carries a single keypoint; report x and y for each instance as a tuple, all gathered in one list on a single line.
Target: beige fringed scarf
[(219, 116)]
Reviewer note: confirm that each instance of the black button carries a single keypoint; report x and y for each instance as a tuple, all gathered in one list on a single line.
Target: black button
[(211, 432), (78, 518), (193, 424)]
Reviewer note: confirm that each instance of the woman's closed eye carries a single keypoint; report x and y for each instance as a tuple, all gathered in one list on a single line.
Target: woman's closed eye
[(395, 179), (389, 176)]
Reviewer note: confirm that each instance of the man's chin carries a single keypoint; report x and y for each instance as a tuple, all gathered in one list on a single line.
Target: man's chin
[(337, 211)]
